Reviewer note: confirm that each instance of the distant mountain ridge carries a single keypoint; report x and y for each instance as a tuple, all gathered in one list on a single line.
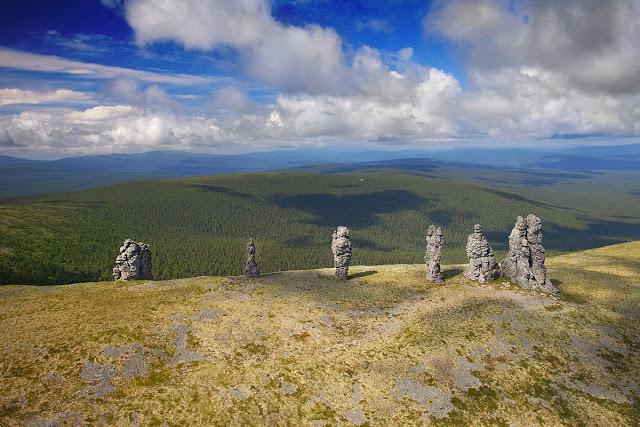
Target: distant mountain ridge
[(20, 177)]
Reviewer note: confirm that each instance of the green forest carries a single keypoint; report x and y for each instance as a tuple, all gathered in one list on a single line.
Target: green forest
[(199, 226)]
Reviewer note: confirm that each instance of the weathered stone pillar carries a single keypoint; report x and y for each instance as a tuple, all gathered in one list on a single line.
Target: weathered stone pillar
[(525, 263), (133, 262), (251, 268), (433, 254), (482, 262), (538, 268), (341, 248)]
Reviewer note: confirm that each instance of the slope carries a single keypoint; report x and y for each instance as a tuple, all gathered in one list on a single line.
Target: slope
[(301, 348)]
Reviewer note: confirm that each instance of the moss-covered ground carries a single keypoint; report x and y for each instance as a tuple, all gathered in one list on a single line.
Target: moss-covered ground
[(303, 348)]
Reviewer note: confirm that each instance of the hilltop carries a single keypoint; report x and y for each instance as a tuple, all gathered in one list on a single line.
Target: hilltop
[(302, 348)]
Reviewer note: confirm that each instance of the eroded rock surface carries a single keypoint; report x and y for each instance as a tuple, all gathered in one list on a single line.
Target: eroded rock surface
[(434, 254), (525, 263), (341, 248), (133, 262), (482, 262), (251, 268)]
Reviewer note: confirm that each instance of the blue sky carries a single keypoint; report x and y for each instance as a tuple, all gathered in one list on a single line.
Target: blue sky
[(103, 76)]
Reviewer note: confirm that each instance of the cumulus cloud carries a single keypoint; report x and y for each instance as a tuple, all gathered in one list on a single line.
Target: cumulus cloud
[(107, 129), (232, 99), (15, 59), (295, 58), (11, 96), (133, 92), (595, 44), (412, 104), (535, 70)]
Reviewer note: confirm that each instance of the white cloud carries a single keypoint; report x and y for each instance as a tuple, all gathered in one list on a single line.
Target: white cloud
[(10, 58), (594, 43), (232, 99), (11, 96), (107, 129), (406, 53), (534, 72), (413, 104), (133, 92), (294, 58)]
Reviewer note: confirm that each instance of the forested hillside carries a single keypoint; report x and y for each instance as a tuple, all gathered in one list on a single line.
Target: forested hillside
[(199, 226)]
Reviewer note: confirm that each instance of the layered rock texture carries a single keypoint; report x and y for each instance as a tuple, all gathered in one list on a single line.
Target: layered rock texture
[(525, 262), (341, 248), (433, 254), (482, 262), (133, 262), (251, 268)]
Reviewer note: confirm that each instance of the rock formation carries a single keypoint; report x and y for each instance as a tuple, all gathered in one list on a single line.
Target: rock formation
[(341, 248), (525, 261), (433, 254), (251, 268), (133, 262), (482, 262)]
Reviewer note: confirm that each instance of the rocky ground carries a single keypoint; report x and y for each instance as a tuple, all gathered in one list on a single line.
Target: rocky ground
[(303, 348)]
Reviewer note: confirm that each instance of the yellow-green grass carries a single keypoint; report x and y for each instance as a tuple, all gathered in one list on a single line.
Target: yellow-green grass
[(303, 348)]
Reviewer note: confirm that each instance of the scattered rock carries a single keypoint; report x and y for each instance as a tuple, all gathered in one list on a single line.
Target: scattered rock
[(67, 418), (434, 254), (482, 262), (208, 314), (99, 377), (326, 320), (440, 401), (525, 263), (341, 248), (537, 401), (115, 351), (462, 375), (133, 262), (240, 392), (599, 392), (356, 416), (135, 365), (183, 354), (287, 388), (251, 268)]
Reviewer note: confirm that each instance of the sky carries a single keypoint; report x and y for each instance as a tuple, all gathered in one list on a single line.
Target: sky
[(87, 77)]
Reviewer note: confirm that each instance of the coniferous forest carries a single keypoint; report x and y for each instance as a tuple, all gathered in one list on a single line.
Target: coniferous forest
[(199, 226)]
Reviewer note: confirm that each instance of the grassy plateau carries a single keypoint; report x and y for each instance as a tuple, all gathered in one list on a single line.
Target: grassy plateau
[(302, 348)]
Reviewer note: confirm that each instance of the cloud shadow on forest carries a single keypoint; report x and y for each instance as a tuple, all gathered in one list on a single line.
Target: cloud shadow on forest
[(224, 190), (354, 210)]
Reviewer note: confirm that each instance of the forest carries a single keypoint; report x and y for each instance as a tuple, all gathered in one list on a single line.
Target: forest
[(199, 226)]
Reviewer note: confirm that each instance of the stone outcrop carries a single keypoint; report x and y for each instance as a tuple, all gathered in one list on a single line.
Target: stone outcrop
[(482, 262), (251, 268), (341, 248), (133, 262), (525, 262), (433, 254)]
